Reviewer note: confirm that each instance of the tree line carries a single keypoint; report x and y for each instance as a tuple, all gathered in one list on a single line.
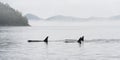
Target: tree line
[(11, 17)]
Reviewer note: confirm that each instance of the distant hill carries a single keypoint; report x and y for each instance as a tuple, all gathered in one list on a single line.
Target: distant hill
[(64, 18), (70, 18), (11, 17), (33, 17), (117, 17)]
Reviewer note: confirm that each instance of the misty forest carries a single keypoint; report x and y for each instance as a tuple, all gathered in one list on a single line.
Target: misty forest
[(11, 17)]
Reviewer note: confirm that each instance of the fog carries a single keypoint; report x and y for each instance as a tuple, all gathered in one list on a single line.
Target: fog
[(94, 23), (78, 8)]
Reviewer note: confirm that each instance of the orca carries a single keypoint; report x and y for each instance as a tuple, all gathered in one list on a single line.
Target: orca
[(45, 40)]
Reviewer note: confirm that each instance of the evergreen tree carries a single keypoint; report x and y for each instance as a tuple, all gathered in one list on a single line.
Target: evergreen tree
[(11, 17)]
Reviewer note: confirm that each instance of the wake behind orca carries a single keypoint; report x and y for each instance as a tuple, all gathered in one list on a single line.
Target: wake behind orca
[(80, 40)]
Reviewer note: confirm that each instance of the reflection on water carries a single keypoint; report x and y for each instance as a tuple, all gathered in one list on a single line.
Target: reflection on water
[(14, 45)]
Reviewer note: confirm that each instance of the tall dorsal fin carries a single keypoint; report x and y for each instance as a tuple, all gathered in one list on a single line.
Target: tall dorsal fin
[(46, 39), (81, 39)]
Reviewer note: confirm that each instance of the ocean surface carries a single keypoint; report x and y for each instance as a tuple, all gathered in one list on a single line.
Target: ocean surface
[(101, 43)]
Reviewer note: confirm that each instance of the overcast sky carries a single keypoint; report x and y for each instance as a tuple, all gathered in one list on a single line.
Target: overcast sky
[(78, 8)]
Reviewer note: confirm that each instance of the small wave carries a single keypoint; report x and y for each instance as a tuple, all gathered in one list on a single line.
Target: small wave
[(103, 40)]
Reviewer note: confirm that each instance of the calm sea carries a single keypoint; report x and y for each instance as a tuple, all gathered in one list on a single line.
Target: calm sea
[(101, 43)]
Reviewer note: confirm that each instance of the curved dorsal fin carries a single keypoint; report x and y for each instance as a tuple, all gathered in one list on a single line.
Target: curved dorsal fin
[(81, 39), (46, 39)]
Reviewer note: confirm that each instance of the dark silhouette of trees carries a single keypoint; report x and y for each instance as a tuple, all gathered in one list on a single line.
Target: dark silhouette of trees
[(11, 17)]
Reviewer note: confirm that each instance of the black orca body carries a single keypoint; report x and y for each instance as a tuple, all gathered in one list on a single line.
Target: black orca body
[(45, 40)]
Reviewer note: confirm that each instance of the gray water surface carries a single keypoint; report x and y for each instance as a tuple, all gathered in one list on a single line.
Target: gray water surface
[(98, 45)]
